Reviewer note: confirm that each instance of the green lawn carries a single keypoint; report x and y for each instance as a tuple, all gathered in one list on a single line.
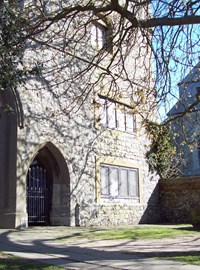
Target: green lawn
[(9, 262), (137, 233), (187, 257), (134, 233)]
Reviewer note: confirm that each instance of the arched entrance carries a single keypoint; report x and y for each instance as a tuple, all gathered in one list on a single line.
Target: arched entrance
[(48, 188), (39, 195)]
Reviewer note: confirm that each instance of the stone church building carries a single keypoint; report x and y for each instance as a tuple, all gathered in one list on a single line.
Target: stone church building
[(70, 156), (185, 127)]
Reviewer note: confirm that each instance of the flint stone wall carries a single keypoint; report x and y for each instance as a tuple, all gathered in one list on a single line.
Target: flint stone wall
[(178, 197), (59, 119)]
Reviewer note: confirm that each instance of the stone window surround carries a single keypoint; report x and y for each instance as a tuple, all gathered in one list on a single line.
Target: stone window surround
[(117, 125), (121, 163), (102, 34), (98, 36), (119, 181)]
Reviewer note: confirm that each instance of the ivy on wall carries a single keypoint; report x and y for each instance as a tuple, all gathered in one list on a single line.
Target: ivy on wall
[(162, 156)]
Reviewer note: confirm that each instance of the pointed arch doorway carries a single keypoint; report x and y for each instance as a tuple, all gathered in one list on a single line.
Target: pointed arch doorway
[(39, 186), (48, 188)]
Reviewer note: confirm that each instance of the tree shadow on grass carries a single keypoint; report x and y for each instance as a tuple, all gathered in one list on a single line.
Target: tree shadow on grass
[(84, 257), (186, 228), (9, 262), (82, 234), (192, 257)]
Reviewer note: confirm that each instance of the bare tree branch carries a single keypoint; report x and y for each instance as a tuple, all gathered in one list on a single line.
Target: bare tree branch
[(154, 22)]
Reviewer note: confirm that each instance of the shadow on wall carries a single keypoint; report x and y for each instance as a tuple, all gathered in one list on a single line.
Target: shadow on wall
[(11, 117), (179, 198), (152, 213)]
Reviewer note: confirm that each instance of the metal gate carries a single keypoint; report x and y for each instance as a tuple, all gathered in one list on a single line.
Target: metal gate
[(38, 201)]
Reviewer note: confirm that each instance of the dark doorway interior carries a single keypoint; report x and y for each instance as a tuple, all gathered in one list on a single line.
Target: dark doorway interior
[(39, 194), (48, 188)]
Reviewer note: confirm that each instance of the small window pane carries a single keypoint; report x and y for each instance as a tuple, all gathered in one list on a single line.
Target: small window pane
[(129, 121), (133, 183), (114, 180), (121, 118), (104, 174), (101, 36), (123, 187), (111, 116), (94, 36), (98, 36), (102, 112)]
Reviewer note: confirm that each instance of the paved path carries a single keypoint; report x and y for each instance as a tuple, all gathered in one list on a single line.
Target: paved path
[(39, 244)]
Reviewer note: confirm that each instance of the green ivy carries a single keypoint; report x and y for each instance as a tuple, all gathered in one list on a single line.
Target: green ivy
[(162, 150)]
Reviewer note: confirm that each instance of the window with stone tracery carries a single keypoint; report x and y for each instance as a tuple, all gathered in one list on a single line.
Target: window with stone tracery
[(116, 115), (119, 181)]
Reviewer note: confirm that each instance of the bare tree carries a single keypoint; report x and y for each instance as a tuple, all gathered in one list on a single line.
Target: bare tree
[(122, 49), (162, 34)]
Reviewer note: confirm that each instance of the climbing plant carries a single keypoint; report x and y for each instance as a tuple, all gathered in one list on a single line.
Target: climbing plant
[(162, 155)]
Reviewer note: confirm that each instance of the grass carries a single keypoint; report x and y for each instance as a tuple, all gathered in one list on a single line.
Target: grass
[(10, 262), (188, 257), (133, 233), (139, 233)]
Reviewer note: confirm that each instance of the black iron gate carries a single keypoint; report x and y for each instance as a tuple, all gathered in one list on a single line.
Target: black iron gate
[(38, 201)]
